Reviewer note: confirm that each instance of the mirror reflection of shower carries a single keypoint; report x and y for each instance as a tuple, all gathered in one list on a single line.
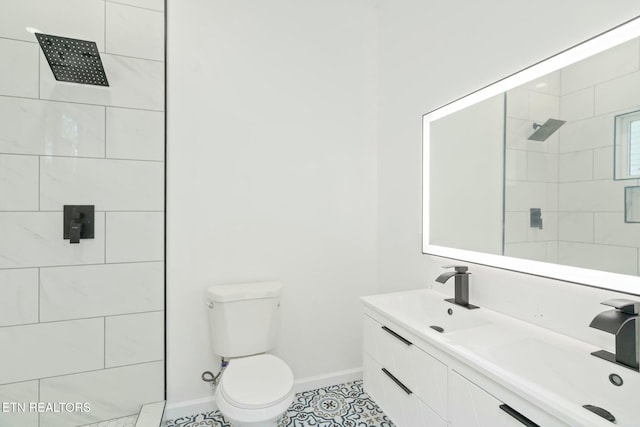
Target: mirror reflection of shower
[(545, 130)]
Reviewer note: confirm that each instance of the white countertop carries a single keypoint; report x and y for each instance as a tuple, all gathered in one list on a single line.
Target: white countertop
[(555, 372)]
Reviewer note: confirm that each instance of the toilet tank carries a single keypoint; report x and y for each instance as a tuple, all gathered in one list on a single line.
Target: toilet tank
[(244, 317)]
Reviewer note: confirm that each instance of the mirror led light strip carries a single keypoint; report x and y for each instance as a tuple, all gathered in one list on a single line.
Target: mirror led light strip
[(595, 278)]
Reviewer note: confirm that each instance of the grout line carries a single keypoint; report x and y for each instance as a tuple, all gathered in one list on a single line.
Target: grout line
[(20, 40), (137, 7), (95, 158), (81, 157), (120, 55), (157, 61), (149, 362), (79, 103), (96, 210), (39, 182), (105, 238), (78, 319), (39, 400), (154, 261), (39, 291), (105, 132)]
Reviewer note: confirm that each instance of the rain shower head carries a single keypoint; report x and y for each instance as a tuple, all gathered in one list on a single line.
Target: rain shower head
[(544, 131), (72, 60)]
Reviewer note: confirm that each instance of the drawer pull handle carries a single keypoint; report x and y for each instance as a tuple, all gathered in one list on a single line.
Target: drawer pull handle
[(518, 416), (395, 334), (397, 381)]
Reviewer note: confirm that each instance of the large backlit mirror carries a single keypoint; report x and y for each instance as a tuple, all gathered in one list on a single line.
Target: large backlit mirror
[(540, 172)]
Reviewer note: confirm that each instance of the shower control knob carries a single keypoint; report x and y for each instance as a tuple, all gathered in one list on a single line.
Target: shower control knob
[(210, 305)]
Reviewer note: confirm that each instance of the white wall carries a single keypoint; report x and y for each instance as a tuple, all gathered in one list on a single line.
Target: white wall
[(272, 174), (431, 53)]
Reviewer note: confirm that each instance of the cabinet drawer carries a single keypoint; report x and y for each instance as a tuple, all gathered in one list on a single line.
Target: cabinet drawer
[(471, 406), (399, 403), (391, 347)]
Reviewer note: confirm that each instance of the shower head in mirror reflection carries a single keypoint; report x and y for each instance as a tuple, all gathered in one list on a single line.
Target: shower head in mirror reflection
[(545, 130)]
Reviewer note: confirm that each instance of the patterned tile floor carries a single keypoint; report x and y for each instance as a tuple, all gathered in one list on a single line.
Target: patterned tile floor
[(343, 405)]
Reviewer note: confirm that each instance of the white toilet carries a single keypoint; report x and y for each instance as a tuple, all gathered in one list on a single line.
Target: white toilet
[(256, 388)]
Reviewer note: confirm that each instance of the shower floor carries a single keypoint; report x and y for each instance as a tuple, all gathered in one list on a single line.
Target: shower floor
[(343, 405), (129, 421)]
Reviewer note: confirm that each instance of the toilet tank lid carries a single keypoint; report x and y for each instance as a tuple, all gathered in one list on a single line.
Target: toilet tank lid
[(244, 291)]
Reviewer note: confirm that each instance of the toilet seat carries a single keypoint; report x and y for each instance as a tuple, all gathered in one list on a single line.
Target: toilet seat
[(256, 382)]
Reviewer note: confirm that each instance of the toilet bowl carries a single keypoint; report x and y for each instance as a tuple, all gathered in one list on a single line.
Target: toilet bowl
[(255, 391), (256, 388)]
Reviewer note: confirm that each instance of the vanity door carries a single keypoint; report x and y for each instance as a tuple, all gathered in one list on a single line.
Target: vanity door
[(406, 382)]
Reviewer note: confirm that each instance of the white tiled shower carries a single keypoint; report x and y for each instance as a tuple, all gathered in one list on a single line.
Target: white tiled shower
[(578, 160), (85, 322)]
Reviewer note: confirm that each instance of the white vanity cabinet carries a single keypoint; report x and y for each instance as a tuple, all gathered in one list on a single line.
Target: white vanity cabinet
[(417, 385)]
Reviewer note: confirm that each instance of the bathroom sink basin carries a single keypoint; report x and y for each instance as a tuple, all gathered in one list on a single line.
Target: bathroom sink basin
[(568, 370), (428, 312)]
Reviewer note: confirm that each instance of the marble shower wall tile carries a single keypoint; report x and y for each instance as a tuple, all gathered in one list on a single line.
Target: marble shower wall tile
[(134, 338), (133, 31), (78, 19), (107, 184), (135, 236), (113, 393), (133, 83), (32, 126), (608, 65), (63, 143), (24, 392), (616, 259), (618, 94), (18, 296), (147, 4), (19, 76), (48, 349), (135, 134), (18, 183), (100, 290), (34, 239)]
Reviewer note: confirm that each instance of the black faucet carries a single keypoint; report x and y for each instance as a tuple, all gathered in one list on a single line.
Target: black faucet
[(461, 285), (623, 323)]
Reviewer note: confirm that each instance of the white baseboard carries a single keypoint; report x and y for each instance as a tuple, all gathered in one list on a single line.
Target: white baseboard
[(186, 408), (208, 404), (333, 378)]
